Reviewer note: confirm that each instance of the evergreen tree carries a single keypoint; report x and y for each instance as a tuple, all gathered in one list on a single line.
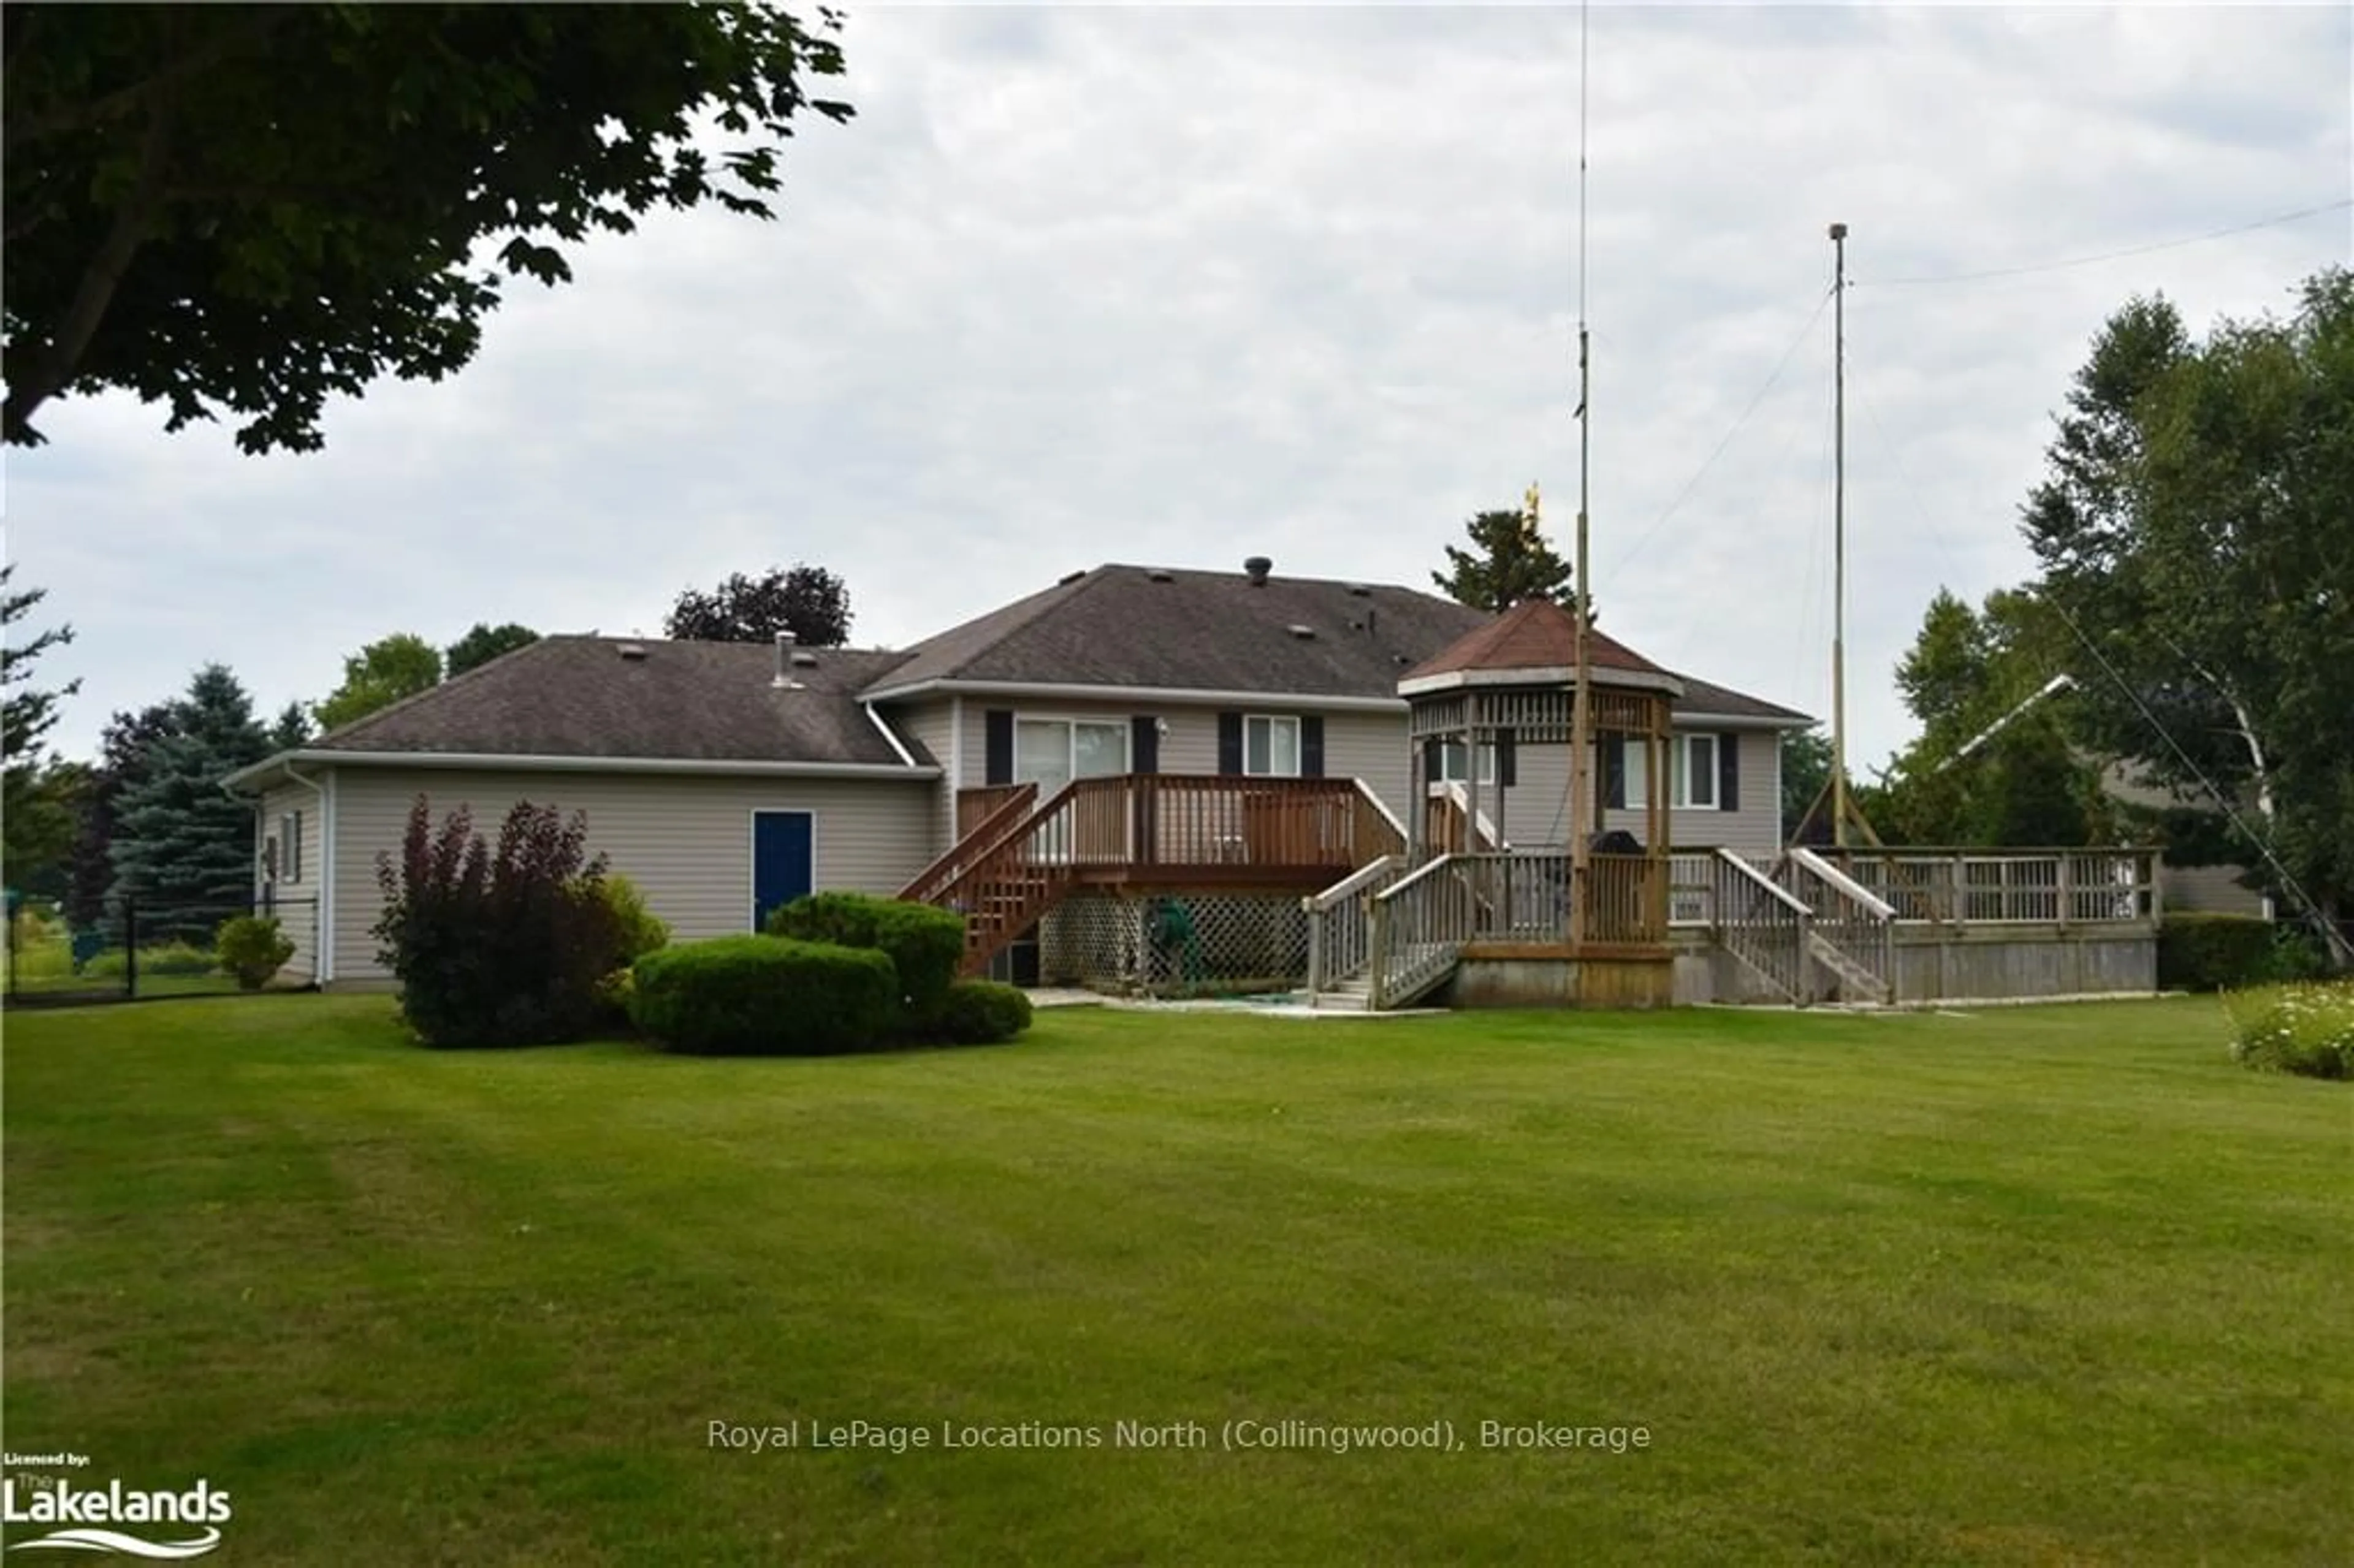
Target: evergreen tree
[(1510, 562), (124, 749), (37, 794), (292, 728), (182, 847)]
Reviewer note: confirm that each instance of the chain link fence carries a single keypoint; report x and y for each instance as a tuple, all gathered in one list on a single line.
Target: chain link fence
[(54, 961)]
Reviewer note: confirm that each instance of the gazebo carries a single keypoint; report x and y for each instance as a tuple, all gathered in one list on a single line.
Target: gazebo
[(1498, 879)]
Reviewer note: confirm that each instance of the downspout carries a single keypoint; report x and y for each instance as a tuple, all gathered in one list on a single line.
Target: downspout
[(956, 765)]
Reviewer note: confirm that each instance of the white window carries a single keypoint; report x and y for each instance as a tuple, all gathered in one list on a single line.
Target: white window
[(1270, 746), (1050, 752), (289, 847), (1691, 772), (1451, 770)]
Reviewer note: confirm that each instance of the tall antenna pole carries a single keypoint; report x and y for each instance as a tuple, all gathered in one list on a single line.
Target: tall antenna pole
[(1581, 719), (1838, 534)]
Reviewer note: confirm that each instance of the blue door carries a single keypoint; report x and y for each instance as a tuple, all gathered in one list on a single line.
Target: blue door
[(782, 870)]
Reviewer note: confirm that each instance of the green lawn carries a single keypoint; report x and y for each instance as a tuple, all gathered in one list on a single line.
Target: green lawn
[(2046, 1285)]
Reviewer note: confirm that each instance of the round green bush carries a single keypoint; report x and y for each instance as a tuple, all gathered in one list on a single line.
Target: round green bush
[(764, 996), (925, 945), (253, 950), (981, 1013)]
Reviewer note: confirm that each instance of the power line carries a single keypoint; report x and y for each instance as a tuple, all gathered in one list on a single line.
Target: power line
[(2108, 255), (1642, 537)]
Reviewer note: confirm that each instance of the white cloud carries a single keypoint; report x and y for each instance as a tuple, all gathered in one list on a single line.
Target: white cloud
[(1187, 285)]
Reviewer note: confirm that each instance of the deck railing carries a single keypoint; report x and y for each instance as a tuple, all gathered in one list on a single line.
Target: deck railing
[(1417, 929), (982, 821), (1855, 921), (1967, 886), (1764, 926), (1339, 923)]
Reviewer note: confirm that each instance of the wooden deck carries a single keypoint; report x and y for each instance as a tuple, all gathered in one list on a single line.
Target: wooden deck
[(1165, 833)]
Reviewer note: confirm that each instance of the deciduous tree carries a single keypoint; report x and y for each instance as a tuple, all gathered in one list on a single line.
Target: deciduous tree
[(486, 642), (808, 601), (246, 208), (379, 674)]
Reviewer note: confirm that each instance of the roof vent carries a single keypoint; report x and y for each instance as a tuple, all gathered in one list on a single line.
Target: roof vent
[(1359, 590), (1159, 576), (1401, 658), (804, 658), (1305, 634), (783, 680), (1069, 577), (632, 651), (1255, 568)]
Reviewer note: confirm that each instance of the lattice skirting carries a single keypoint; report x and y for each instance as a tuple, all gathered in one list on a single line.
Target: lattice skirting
[(1174, 944)]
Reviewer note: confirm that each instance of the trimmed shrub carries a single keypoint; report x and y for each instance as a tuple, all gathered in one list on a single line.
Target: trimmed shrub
[(641, 931), (925, 945), (980, 1013), (501, 947), (2302, 1029), (2213, 952), (253, 950), (764, 996)]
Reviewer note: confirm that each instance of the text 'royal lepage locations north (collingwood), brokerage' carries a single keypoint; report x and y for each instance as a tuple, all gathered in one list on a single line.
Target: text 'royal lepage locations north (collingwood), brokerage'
[(819, 1434)]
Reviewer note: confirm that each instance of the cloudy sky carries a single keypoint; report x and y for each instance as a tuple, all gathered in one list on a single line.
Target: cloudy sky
[(1178, 286)]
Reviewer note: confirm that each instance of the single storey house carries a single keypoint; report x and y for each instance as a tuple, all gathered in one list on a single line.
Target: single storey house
[(1235, 730)]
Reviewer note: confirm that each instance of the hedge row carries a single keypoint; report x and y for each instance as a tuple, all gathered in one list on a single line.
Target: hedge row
[(839, 972), (2228, 952)]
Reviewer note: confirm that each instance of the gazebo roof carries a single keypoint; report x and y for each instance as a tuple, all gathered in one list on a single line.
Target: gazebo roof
[(1535, 641)]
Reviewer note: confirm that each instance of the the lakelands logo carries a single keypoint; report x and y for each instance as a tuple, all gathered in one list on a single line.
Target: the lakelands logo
[(81, 1517)]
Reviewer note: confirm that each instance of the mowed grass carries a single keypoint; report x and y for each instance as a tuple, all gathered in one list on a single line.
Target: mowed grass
[(2047, 1286)]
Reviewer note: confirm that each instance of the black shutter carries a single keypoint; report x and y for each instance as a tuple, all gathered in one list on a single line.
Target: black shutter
[(1614, 772), (1230, 743), (1507, 762), (1144, 744), (1728, 773), (1311, 745), (997, 766)]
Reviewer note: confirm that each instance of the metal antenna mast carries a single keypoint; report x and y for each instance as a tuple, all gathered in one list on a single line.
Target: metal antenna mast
[(1581, 721), (1838, 534)]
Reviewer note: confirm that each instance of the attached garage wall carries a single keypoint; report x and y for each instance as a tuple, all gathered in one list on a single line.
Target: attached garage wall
[(297, 899), (686, 841)]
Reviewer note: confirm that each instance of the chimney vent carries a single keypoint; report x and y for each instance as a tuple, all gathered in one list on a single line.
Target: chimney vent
[(783, 680), (1255, 568)]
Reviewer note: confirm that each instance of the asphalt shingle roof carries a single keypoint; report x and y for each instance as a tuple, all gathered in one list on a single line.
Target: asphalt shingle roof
[(577, 697), (1195, 630)]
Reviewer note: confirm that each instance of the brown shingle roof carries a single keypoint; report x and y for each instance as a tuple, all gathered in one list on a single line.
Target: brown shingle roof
[(1707, 697), (577, 697), (1535, 634), (1194, 630)]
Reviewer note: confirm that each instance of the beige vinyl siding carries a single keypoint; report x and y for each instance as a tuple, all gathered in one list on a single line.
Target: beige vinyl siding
[(2208, 890), (1367, 746), (685, 840), (1754, 829), (1534, 811), (297, 900), (932, 725)]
